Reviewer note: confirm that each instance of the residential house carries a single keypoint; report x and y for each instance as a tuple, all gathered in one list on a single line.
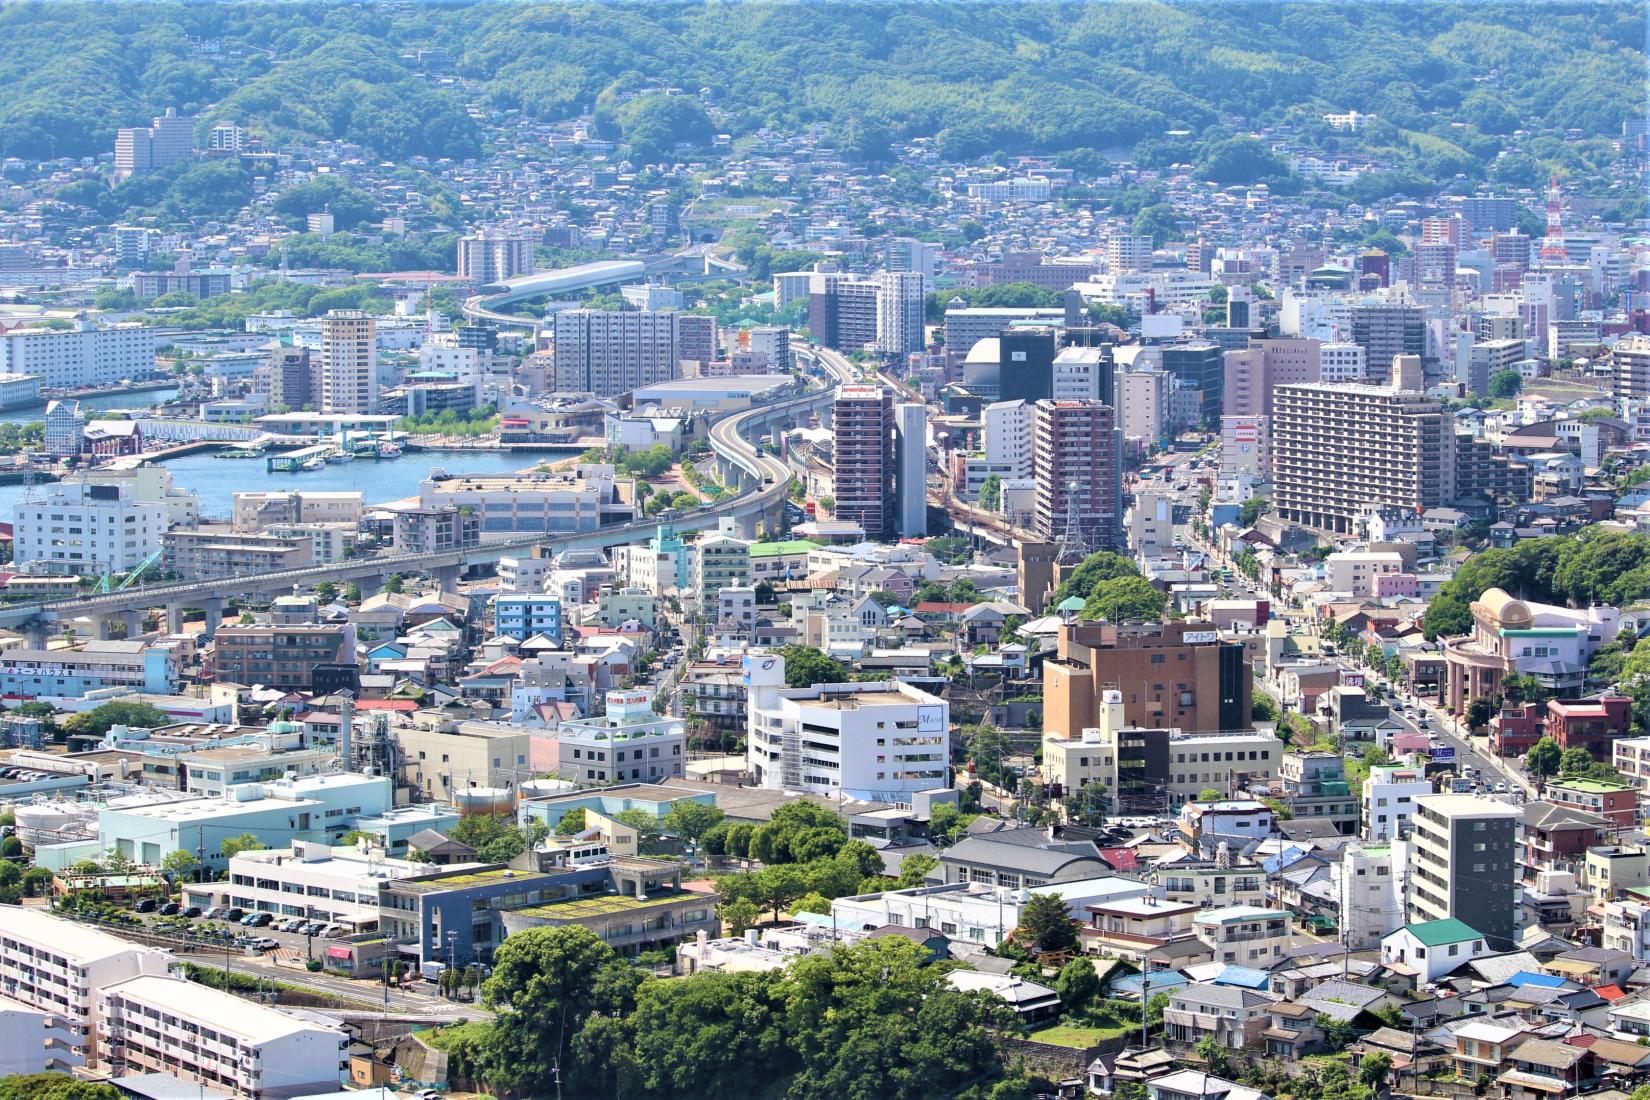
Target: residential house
[(1234, 1017)]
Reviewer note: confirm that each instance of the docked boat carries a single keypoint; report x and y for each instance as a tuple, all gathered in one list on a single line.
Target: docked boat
[(314, 464), (341, 456), (387, 449)]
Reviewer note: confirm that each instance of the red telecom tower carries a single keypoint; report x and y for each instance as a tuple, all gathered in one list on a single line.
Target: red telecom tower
[(1552, 246)]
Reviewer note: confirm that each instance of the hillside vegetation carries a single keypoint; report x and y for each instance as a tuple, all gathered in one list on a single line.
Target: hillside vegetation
[(1446, 80)]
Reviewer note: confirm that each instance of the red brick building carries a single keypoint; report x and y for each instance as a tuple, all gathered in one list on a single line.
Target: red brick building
[(1618, 803), (1516, 729), (1591, 724)]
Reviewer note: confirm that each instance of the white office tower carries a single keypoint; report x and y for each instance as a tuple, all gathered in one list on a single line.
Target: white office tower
[(608, 352), (1006, 437), (77, 529), (880, 742), (1370, 886), (900, 307), (1079, 372), (1341, 362), (911, 469)]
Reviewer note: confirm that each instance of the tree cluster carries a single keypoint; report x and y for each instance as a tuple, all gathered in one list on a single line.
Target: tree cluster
[(870, 1022)]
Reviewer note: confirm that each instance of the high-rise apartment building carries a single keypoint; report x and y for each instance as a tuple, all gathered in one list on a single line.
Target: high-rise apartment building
[(1631, 378), (608, 352), (884, 311), (1489, 358), (1127, 252), (292, 378), (493, 255), (1435, 265), (1384, 330), (1076, 465), (1337, 448), (349, 362), (1463, 864), (900, 307), (911, 469), (863, 462), (169, 139), (696, 337)]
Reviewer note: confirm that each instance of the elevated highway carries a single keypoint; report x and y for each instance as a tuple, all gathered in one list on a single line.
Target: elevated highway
[(761, 483)]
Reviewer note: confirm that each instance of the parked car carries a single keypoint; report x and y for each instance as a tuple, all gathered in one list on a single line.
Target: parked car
[(313, 928), (191, 911), (217, 912), (265, 943), (257, 920), (145, 905), (234, 913), (170, 909), (333, 930)]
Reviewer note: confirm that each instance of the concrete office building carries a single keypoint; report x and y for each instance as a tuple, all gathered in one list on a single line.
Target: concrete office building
[(282, 655), (95, 666), (58, 966), (1076, 466), (1026, 267), (1464, 864), (966, 326), (1170, 675), (154, 1024), (863, 459), (1253, 374), (1340, 362), (308, 879), (1025, 364), (1338, 449), (446, 761), (493, 255), (349, 362), (74, 529), (873, 741), (83, 356), (911, 469), (1143, 396), (607, 352), (1488, 358), (256, 510), (1244, 447), (1200, 365), (627, 744), (1385, 330)]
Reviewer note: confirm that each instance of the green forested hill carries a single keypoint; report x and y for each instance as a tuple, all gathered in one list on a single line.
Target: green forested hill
[(978, 77)]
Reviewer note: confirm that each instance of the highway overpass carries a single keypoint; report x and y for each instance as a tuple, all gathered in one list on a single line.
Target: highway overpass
[(761, 483)]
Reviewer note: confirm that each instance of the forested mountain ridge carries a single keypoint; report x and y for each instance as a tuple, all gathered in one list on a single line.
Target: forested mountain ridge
[(1446, 81)]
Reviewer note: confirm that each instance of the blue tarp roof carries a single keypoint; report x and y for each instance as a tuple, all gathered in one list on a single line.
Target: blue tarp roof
[(1544, 981), (1244, 976), (1162, 982)]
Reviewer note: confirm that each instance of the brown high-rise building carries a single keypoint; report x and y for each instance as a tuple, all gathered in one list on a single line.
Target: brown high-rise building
[(292, 378), (863, 462), (1338, 448), (1171, 675), (1076, 463)]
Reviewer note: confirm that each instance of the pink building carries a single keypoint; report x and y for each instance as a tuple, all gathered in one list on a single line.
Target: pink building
[(1254, 372), (1395, 585)]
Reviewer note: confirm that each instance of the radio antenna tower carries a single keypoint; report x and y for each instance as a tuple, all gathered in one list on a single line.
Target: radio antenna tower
[(1552, 246), (1072, 546)]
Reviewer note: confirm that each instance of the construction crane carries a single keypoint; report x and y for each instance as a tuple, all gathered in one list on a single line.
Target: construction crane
[(105, 584)]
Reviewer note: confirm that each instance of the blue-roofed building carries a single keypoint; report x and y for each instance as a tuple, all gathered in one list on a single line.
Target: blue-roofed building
[(1545, 981), (1242, 976), (1162, 981)]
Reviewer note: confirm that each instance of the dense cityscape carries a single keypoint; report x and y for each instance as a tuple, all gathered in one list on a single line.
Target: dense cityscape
[(780, 551)]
